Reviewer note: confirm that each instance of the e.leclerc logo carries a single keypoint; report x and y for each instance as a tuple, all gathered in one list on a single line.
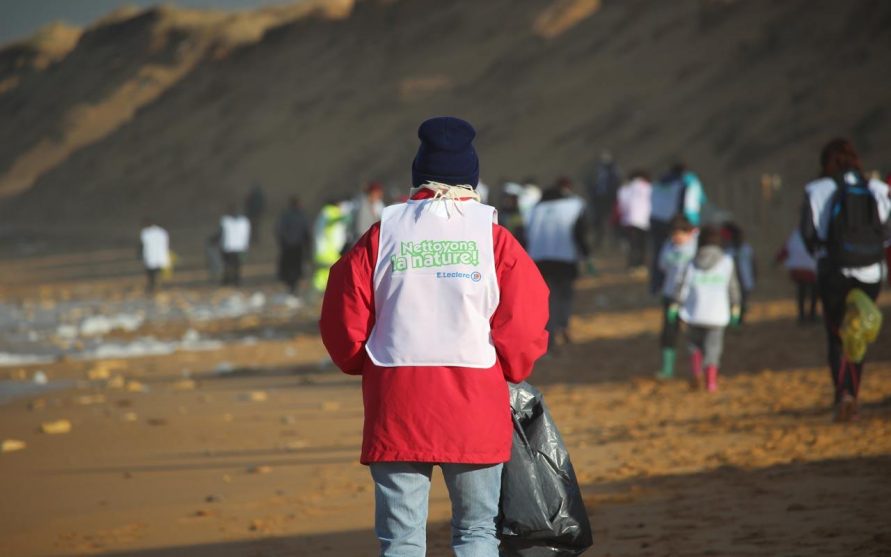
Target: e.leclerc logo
[(475, 276)]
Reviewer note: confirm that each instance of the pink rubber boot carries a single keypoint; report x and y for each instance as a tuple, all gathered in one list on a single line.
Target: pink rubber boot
[(711, 378)]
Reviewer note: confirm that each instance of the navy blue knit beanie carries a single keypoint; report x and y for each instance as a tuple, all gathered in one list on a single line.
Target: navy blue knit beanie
[(446, 153)]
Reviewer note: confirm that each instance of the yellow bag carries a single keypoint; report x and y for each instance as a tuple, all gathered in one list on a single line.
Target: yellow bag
[(861, 325), (167, 272)]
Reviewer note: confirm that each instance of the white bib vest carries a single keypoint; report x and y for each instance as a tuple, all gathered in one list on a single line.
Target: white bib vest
[(551, 227), (708, 297), (435, 288), (236, 233), (155, 247)]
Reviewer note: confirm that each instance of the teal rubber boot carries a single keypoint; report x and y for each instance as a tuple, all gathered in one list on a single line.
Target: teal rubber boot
[(668, 357)]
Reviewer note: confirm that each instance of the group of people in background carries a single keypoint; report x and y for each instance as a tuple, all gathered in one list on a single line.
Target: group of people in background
[(301, 242), (704, 273)]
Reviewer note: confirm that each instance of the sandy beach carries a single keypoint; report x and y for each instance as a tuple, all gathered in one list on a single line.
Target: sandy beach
[(238, 438)]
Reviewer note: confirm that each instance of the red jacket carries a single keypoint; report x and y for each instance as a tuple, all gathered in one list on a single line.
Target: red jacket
[(437, 414)]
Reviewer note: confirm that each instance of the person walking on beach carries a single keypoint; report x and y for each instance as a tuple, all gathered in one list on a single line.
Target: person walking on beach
[(437, 308), (679, 192), (736, 246), (634, 215), (707, 299), (367, 210), (154, 247), (803, 272), (509, 214), (844, 223), (294, 237), (603, 187), (674, 256), (556, 238), (235, 238), (330, 238), (254, 210)]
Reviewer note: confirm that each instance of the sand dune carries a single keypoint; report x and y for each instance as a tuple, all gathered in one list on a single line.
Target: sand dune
[(104, 75), (151, 113)]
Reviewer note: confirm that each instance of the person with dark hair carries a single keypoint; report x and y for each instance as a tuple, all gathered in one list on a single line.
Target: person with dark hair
[(803, 271), (707, 299), (437, 307), (743, 255), (556, 237), (674, 256), (634, 204), (844, 224), (678, 192), (294, 237)]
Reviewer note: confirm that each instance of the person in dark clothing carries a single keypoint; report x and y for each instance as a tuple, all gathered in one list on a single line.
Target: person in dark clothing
[(254, 210), (841, 168), (510, 216), (293, 234), (603, 187), (556, 238)]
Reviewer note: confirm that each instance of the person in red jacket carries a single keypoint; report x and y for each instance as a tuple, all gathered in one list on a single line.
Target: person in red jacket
[(437, 308)]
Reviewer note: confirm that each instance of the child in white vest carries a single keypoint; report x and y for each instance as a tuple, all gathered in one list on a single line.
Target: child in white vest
[(707, 299)]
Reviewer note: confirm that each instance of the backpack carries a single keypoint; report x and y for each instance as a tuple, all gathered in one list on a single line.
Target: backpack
[(855, 237)]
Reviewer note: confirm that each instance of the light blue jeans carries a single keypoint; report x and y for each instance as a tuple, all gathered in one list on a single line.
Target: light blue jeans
[(401, 491)]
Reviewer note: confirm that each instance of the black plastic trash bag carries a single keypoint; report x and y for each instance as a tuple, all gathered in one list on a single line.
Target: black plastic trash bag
[(542, 512)]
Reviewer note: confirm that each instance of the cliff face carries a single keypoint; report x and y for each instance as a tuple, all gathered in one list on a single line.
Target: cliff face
[(65, 89), (148, 116)]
